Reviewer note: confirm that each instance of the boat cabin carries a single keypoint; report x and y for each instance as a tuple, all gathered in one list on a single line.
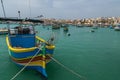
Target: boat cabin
[(22, 36)]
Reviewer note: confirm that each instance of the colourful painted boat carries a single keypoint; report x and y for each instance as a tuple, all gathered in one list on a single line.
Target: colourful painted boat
[(27, 49)]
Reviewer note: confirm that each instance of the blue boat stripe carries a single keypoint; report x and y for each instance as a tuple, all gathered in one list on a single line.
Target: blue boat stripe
[(24, 54), (37, 68)]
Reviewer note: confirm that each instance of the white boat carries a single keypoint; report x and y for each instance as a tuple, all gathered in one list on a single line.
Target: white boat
[(3, 31), (117, 28)]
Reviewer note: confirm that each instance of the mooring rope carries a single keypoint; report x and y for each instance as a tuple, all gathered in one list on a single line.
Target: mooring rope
[(68, 69), (25, 66), (65, 67)]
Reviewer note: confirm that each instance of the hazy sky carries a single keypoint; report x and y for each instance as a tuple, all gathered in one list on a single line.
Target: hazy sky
[(62, 9)]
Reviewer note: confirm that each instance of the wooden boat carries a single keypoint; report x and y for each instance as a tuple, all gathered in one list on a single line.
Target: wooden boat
[(28, 50), (3, 31)]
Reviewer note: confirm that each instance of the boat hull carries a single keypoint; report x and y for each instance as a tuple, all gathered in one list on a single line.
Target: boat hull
[(33, 58)]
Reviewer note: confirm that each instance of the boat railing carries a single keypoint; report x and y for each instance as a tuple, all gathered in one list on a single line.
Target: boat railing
[(47, 44)]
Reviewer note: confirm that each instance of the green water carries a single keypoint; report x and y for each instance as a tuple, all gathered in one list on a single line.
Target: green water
[(95, 56)]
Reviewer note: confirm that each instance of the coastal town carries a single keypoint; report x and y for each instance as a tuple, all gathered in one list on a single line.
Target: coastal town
[(89, 22)]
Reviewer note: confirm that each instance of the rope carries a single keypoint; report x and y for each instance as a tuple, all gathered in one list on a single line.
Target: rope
[(68, 69), (24, 66)]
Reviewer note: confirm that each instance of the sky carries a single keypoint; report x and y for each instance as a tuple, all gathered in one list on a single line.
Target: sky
[(61, 9)]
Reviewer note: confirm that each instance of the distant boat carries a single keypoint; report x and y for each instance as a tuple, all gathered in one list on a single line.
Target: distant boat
[(64, 25), (111, 27), (28, 50), (3, 31), (79, 25), (117, 28), (92, 30), (55, 26), (65, 29), (94, 26)]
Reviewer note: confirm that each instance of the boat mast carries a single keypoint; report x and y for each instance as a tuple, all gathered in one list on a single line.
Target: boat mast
[(3, 8), (30, 8)]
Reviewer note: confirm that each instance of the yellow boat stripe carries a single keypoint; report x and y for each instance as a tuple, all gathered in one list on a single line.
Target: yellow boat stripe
[(19, 50), (48, 47)]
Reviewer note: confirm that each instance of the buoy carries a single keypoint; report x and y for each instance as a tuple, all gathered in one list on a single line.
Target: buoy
[(69, 34)]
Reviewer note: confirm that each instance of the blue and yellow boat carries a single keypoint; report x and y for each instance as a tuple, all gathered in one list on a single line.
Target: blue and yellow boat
[(27, 49)]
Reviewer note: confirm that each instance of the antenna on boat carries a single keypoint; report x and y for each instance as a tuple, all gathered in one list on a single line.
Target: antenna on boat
[(3, 8)]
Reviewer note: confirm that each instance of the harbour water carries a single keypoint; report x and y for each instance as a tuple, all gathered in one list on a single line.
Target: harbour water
[(93, 55)]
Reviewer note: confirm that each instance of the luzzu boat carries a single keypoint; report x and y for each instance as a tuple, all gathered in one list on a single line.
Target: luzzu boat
[(27, 49)]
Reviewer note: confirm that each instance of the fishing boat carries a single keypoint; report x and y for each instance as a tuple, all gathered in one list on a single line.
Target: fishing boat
[(79, 25), (92, 30), (117, 28), (65, 29), (95, 26), (64, 25), (3, 31), (55, 26), (28, 50), (111, 27)]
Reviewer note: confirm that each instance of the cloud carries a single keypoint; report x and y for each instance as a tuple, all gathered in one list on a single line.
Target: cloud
[(62, 8), (67, 4)]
